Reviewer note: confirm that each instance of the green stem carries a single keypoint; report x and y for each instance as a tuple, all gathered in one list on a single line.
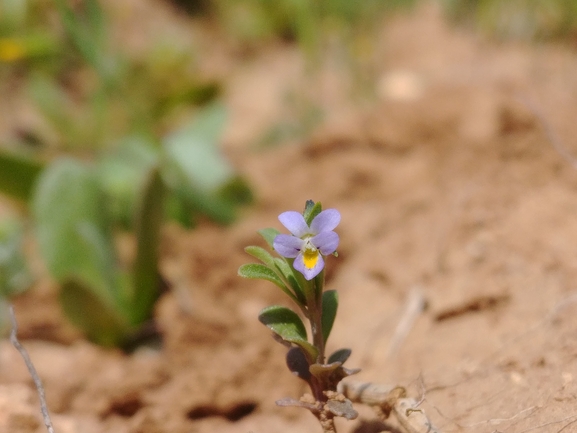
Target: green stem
[(316, 308)]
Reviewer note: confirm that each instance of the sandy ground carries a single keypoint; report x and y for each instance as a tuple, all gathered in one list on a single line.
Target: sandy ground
[(458, 184)]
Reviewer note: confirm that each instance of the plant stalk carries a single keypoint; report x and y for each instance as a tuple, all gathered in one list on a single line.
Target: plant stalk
[(315, 306)]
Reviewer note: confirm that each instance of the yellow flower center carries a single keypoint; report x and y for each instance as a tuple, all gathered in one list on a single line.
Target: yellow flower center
[(310, 255)]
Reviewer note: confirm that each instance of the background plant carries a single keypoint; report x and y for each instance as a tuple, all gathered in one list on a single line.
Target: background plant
[(109, 163)]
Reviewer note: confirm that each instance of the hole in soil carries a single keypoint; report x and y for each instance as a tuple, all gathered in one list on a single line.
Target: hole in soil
[(240, 410), (126, 406), (375, 427), (232, 413), (201, 412)]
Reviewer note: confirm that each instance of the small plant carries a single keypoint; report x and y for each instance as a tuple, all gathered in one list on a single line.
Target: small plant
[(300, 273)]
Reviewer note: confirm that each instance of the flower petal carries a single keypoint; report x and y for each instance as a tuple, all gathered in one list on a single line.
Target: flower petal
[(309, 273), (326, 221), (327, 242), (294, 222), (287, 245)]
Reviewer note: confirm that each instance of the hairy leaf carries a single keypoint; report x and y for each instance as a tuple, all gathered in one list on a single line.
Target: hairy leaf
[(261, 254), (268, 235), (263, 272), (284, 322), (288, 325)]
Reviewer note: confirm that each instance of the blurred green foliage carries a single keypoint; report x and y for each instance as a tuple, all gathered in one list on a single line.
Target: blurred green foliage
[(15, 276), (76, 207), (308, 22), (130, 142), (517, 19), (14, 273), (337, 32)]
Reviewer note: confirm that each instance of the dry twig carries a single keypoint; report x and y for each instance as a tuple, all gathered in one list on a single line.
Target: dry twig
[(390, 399), (413, 308), (31, 370)]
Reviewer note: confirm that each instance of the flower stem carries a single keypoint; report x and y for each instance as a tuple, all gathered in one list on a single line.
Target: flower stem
[(317, 332), (316, 308)]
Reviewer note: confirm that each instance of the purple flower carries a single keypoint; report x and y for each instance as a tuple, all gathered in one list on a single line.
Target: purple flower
[(307, 244)]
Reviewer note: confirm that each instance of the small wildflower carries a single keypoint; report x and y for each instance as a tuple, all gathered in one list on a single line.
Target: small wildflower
[(308, 244)]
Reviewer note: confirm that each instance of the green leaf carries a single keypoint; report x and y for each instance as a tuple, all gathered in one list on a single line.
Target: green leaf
[(282, 271), (287, 272), (312, 209), (194, 93), (330, 305), (198, 202), (15, 276), (284, 322), (122, 174), (73, 229), (288, 325), (146, 276), (237, 191), (178, 210), (340, 355), (261, 254), (87, 33), (18, 175), (268, 235), (197, 171), (194, 153), (97, 318), (258, 271), (54, 103)]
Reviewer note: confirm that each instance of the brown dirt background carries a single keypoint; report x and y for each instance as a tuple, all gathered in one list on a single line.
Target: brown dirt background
[(451, 183)]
